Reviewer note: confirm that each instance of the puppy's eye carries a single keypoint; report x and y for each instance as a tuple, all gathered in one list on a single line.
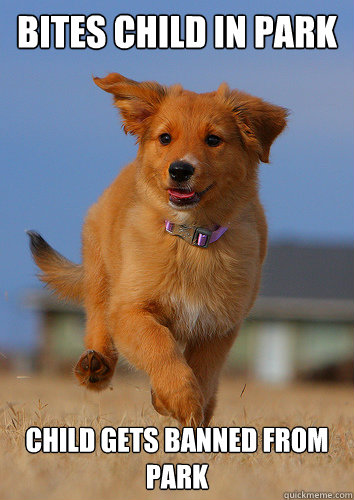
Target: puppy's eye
[(212, 140), (165, 139)]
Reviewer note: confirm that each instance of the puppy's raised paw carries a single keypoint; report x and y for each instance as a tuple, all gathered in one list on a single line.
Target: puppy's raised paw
[(94, 370)]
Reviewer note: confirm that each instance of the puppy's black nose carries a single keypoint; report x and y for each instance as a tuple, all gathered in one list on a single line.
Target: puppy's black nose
[(180, 171)]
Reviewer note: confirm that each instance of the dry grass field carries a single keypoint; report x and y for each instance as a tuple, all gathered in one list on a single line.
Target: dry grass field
[(59, 402)]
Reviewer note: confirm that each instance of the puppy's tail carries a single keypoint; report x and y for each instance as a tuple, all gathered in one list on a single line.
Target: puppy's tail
[(59, 273)]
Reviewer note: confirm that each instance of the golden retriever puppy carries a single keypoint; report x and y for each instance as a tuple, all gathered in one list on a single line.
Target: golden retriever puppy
[(173, 249)]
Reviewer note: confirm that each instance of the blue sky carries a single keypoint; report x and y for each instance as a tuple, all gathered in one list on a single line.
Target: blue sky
[(61, 142)]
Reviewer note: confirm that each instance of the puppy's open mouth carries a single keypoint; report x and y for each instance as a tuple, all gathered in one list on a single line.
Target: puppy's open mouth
[(185, 197)]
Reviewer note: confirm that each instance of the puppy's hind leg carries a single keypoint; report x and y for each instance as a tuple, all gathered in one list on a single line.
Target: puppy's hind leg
[(96, 365)]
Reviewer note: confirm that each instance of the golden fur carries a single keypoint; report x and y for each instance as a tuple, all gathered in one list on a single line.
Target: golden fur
[(172, 309)]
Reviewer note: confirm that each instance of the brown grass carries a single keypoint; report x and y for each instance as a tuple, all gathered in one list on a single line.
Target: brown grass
[(59, 402)]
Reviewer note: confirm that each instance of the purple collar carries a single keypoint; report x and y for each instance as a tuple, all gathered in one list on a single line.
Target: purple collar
[(194, 235)]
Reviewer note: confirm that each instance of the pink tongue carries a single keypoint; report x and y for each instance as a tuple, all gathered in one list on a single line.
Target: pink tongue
[(181, 194)]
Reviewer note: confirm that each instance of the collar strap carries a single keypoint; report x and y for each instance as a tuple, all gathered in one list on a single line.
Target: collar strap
[(196, 236)]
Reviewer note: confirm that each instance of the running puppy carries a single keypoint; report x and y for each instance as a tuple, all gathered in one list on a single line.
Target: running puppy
[(173, 249)]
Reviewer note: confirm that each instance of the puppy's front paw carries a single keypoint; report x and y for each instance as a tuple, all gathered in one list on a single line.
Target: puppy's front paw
[(157, 404), (94, 370), (189, 409), (184, 402)]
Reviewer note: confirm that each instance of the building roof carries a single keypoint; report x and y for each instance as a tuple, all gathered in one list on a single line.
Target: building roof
[(307, 282), (304, 271)]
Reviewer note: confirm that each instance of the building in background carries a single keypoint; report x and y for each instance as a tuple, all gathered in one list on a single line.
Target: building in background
[(301, 325)]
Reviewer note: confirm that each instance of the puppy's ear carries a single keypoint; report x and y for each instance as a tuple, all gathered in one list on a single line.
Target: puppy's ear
[(137, 102), (259, 121)]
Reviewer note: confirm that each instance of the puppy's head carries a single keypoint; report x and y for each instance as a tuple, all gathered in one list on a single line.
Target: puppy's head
[(198, 153)]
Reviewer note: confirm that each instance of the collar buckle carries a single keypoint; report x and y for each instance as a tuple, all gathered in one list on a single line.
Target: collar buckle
[(201, 237)]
